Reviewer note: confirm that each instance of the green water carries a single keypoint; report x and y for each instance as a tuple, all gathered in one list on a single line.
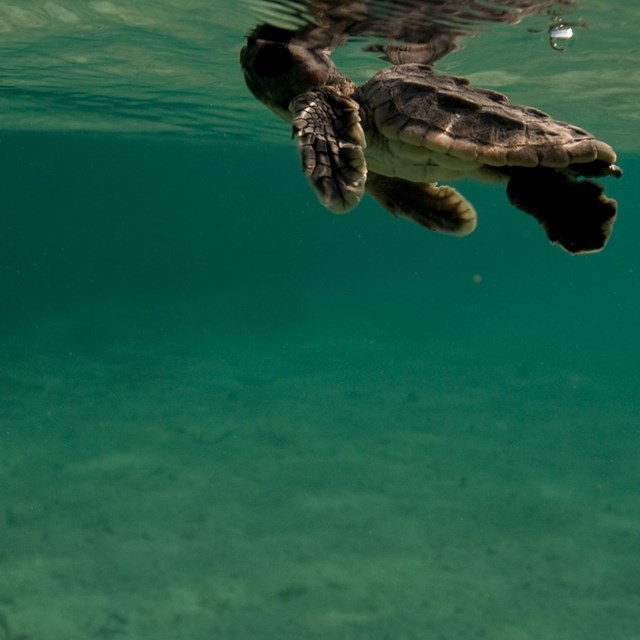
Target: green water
[(226, 413)]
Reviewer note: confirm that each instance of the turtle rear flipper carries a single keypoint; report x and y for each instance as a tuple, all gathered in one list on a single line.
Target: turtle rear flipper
[(436, 208), (574, 214), (331, 144)]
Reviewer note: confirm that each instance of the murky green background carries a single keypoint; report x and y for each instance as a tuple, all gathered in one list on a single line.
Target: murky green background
[(227, 413)]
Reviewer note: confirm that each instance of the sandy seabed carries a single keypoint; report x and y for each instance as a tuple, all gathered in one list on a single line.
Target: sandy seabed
[(168, 476)]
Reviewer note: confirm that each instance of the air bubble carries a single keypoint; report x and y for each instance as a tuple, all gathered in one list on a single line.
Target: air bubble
[(562, 32), (560, 36)]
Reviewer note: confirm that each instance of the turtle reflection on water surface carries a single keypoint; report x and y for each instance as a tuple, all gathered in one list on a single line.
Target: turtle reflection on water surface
[(408, 128)]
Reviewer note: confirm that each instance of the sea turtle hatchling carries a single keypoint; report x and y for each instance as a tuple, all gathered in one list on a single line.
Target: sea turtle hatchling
[(408, 128)]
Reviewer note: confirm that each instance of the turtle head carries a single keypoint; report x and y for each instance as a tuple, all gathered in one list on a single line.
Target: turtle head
[(279, 65)]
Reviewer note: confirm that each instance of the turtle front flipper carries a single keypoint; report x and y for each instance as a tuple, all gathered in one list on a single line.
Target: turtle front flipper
[(438, 208), (331, 143), (574, 214)]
